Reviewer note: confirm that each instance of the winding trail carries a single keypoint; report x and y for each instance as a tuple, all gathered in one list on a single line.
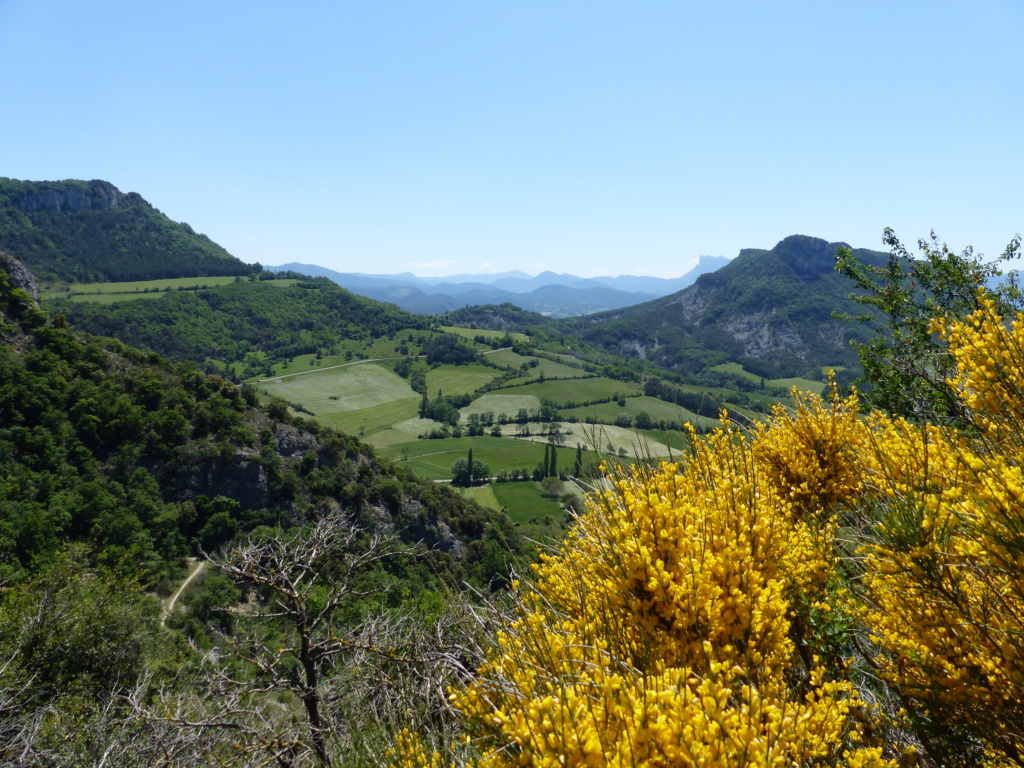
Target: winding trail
[(197, 568)]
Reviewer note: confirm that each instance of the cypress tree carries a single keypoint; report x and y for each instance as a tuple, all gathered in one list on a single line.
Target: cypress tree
[(554, 462), (547, 460), (579, 461)]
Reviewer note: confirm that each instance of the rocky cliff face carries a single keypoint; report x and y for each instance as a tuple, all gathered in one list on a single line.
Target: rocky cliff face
[(96, 195), (808, 256), (19, 277)]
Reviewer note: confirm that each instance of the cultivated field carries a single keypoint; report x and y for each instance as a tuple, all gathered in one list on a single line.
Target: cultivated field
[(107, 293), (347, 388), (459, 379), (562, 390)]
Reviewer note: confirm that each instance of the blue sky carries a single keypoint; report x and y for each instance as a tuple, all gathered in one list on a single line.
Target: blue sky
[(587, 137)]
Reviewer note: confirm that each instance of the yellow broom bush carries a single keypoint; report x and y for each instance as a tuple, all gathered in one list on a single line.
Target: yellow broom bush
[(708, 613)]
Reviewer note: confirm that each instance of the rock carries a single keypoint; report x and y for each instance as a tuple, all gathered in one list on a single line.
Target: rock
[(95, 196), (18, 276)]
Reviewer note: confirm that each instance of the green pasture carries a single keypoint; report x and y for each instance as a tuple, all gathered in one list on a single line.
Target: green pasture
[(507, 358), (524, 502), (510, 405), (346, 388), (597, 437), (482, 495), (108, 293), (471, 333), (656, 409), (737, 369), (374, 418), (561, 390), (804, 385), (459, 379), (433, 459)]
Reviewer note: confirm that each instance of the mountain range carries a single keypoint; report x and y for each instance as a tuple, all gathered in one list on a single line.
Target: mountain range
[(549, 293)]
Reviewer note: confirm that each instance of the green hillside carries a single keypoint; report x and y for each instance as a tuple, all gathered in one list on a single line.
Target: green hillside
[(87, 231), (145, 461), (770, 310)]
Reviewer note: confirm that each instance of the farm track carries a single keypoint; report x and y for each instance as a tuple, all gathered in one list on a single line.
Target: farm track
[(173, 599)]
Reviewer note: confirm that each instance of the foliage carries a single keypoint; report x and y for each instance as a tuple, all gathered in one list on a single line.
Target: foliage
[(905, 366), (227, 322), (91, 242), (823, 589)]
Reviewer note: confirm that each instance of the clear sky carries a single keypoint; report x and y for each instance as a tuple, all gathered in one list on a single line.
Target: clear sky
[(589, 137)]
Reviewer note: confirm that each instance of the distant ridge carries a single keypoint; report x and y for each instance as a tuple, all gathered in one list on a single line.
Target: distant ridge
[(87, 231), (549, 293)]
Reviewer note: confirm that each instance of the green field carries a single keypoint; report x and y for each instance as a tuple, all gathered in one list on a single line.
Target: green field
[(471, 333), (482, 495), (561, 390), (108, 293), (507, 358), (805, 385), (377, 417), (347, 388), (510, 405), (434, 458), (656, 409), (524, 502), (459, 379)]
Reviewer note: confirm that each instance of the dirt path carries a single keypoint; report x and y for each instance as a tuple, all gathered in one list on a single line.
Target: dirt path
[(197, 568)]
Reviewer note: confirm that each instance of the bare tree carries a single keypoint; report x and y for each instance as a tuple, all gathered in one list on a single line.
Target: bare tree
[(305, 579)]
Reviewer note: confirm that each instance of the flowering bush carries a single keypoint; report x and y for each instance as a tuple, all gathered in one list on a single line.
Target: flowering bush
[(829, 588)]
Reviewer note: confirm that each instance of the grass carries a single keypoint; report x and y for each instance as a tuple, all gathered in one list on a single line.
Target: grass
[(137, 289), (524, 502), (656, 409), (434, 458), (507, 404), (506, 358), (471, 333), (806, 385), (562, 390), (597, 437), (348, 388), (459, 379), (482, 495), (376, 417)]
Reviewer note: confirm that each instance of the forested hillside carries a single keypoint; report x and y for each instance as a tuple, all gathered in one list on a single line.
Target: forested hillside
[(85, 231), (230, 321)]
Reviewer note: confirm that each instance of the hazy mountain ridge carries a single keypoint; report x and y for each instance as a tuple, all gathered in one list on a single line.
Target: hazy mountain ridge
[(549, 293)]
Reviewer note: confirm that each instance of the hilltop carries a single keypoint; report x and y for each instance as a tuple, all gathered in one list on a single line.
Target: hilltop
[(769, 309), (87, 231)]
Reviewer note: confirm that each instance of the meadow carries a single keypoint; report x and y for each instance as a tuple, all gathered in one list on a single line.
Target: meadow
[(108, 293), (563, 390)]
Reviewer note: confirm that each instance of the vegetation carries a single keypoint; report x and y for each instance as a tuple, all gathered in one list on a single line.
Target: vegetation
[(78, 231), (906, 369), (231, 321)]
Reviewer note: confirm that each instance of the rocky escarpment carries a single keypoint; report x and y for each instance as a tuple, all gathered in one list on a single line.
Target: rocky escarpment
[(19, 277), (95, 195)]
